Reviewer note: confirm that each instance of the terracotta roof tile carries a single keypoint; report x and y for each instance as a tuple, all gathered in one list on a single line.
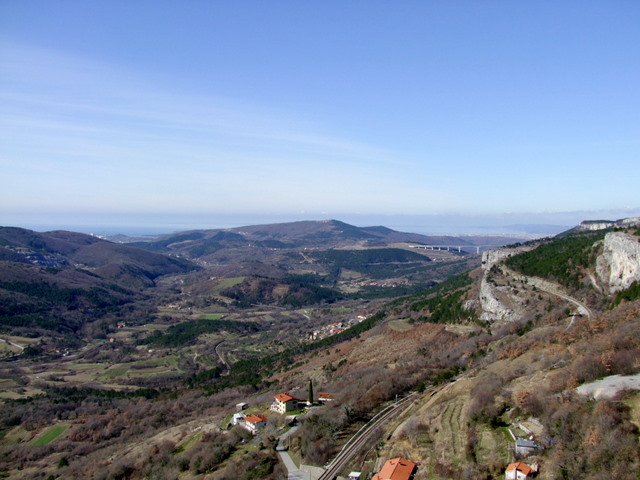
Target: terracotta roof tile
[(285, 397), (254, 419), (396, 469), (521, 467)]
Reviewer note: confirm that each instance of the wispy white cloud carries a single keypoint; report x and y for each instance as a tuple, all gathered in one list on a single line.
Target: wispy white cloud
[(74, 128)]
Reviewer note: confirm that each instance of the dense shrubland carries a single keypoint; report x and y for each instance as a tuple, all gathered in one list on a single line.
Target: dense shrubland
[(293, 292), (186, 333), (562, 260)]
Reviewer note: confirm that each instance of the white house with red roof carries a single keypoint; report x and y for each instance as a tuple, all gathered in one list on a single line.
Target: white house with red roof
[(326, 397), (253, 423), (519, 471), (396, 469), (283, 403)]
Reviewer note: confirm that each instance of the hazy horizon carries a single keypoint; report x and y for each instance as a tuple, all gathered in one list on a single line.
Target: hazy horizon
[(533, 224)]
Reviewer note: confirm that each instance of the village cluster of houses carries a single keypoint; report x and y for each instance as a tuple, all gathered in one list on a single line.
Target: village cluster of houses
[(335, 328), (283, 403), (395, 469)]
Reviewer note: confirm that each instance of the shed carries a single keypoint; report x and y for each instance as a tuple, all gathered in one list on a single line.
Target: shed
[(525, 447)]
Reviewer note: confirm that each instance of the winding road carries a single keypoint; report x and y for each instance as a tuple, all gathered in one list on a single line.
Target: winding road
[(553, 289), (222, 359)]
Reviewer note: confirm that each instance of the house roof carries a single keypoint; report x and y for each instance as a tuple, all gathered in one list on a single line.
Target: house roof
[(254, 419), (396, 469), (284, 397), (526, 443), (520, 467), (325, 395)]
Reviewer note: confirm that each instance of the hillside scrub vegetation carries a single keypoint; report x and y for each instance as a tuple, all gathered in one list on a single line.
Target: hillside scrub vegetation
[(562, 260), (186, 333), (293, 292)]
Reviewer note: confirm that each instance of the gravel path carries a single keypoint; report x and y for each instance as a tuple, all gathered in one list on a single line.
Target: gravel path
[(609, 386)]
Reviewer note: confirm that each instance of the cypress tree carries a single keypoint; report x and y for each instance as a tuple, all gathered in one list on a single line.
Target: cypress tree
[(310, 399)]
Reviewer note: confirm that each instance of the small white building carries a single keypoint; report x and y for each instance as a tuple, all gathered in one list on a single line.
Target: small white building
[(237, 418)]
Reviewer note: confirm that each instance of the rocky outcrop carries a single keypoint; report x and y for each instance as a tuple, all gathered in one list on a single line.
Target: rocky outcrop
[(593, 225), (497, 304), (491, 257), (492, 308), (619, 264)]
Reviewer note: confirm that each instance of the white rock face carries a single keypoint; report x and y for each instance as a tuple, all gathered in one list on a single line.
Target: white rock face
[(590, 225), (619, 265), (491, 257), (493, 308)]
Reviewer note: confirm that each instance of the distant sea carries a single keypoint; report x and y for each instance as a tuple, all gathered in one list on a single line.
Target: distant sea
[(153, 225)]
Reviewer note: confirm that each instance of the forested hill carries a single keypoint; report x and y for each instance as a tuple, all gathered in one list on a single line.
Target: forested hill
[(59, 281), (310, 234)]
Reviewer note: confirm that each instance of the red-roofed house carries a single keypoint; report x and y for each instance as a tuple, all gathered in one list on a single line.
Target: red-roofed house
[(254, 422), (325, 397), (519, 471), (396, 469), (284, 403)]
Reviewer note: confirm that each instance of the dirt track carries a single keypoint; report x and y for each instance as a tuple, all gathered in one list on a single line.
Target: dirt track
[(609, 386)]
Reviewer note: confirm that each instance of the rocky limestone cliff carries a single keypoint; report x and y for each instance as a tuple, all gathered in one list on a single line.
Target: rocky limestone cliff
[(619, 264), (493, 308), (496, 304), (593, 225)]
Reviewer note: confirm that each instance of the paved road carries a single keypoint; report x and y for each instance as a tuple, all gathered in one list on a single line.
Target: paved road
[(294, 473), (553, 289)]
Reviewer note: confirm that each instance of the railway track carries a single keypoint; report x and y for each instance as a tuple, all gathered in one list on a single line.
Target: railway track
[(364, 435)]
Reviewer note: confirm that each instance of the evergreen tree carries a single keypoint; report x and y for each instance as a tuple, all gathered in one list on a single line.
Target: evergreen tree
[(310, 399)]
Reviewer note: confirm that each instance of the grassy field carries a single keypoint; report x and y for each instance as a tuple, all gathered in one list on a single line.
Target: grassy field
[(400, 325), (85, 366), (634, 404), (226, 283), (50, 435), (8, 348), (212, 316), (141, 369), (20, 393), (7, 383), (115, 372), (189, 442)]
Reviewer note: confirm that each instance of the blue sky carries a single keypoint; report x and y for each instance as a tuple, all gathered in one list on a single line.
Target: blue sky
[(135, 112)]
